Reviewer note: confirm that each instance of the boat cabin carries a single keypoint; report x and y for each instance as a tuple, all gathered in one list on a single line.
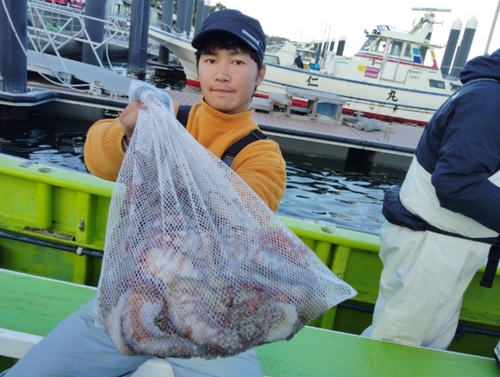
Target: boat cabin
[(379, 45), (284, 54), (402, 54)]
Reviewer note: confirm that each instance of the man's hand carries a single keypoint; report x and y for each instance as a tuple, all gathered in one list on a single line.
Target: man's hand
[(128, 119)]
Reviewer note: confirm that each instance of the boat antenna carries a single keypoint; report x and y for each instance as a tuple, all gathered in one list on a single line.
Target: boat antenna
[(428, 17), (429, 9)]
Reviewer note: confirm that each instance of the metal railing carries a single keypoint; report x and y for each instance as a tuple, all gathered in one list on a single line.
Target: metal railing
[(51, 28), (54, 29)]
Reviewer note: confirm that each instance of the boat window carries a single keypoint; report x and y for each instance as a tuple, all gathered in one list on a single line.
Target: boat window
[(437, 84), (274, 48), (379, 45), (426, 56), (396, 47), (374, 45), (407, 53), (367, 44), (271, 59)]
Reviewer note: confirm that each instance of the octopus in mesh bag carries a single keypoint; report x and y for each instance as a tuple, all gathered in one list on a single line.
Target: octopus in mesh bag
[(192, 295), (273, 258), (191, 318), (137, 325), (165, 258), (225, 320), (183, 301)]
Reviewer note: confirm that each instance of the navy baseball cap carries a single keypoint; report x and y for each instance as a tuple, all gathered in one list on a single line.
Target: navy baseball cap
[(232, 21)]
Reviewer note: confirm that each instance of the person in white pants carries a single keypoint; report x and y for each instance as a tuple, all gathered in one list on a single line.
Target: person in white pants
[(443, 223)]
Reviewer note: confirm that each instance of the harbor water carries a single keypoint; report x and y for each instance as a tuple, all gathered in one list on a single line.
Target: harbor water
[(317, 189)]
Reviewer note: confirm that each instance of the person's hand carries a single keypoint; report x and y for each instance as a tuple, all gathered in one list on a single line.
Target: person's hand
[(128, 119)]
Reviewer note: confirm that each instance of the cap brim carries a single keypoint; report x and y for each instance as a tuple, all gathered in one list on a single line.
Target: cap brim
[(199, 38)]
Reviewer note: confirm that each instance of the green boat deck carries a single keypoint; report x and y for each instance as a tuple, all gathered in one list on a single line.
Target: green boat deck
[(35, 305)]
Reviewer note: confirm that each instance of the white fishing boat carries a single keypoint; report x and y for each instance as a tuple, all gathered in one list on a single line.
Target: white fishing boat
[(395, 75)]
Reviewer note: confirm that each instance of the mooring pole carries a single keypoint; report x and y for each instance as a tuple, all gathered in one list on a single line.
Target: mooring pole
[(13, 36), (143, 55), (138, 42), (95, 29), (167, 16)]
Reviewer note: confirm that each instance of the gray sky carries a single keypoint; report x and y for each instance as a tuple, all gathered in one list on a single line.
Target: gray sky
[(308, 20)]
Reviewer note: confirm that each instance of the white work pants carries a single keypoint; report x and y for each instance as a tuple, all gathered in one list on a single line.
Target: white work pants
[(423, 280)]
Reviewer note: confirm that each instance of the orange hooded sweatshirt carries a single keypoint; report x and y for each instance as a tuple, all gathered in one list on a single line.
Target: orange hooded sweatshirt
[(260, 164)]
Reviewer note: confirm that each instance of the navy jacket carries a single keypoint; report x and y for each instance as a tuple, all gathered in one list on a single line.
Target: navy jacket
[(460, 147)]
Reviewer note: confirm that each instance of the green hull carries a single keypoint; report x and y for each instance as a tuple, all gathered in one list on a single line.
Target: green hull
[(56, 209)]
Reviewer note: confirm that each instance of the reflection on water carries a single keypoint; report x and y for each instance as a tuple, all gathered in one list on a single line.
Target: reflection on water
[(317, 189), (46, 141)]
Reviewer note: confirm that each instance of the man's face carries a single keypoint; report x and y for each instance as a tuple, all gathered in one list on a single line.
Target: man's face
[(228, 79)]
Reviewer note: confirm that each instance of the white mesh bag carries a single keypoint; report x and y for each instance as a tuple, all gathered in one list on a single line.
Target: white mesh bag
[(195, 264)]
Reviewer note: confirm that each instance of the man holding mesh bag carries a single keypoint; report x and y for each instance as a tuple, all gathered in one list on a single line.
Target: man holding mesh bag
[(197, 270)]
